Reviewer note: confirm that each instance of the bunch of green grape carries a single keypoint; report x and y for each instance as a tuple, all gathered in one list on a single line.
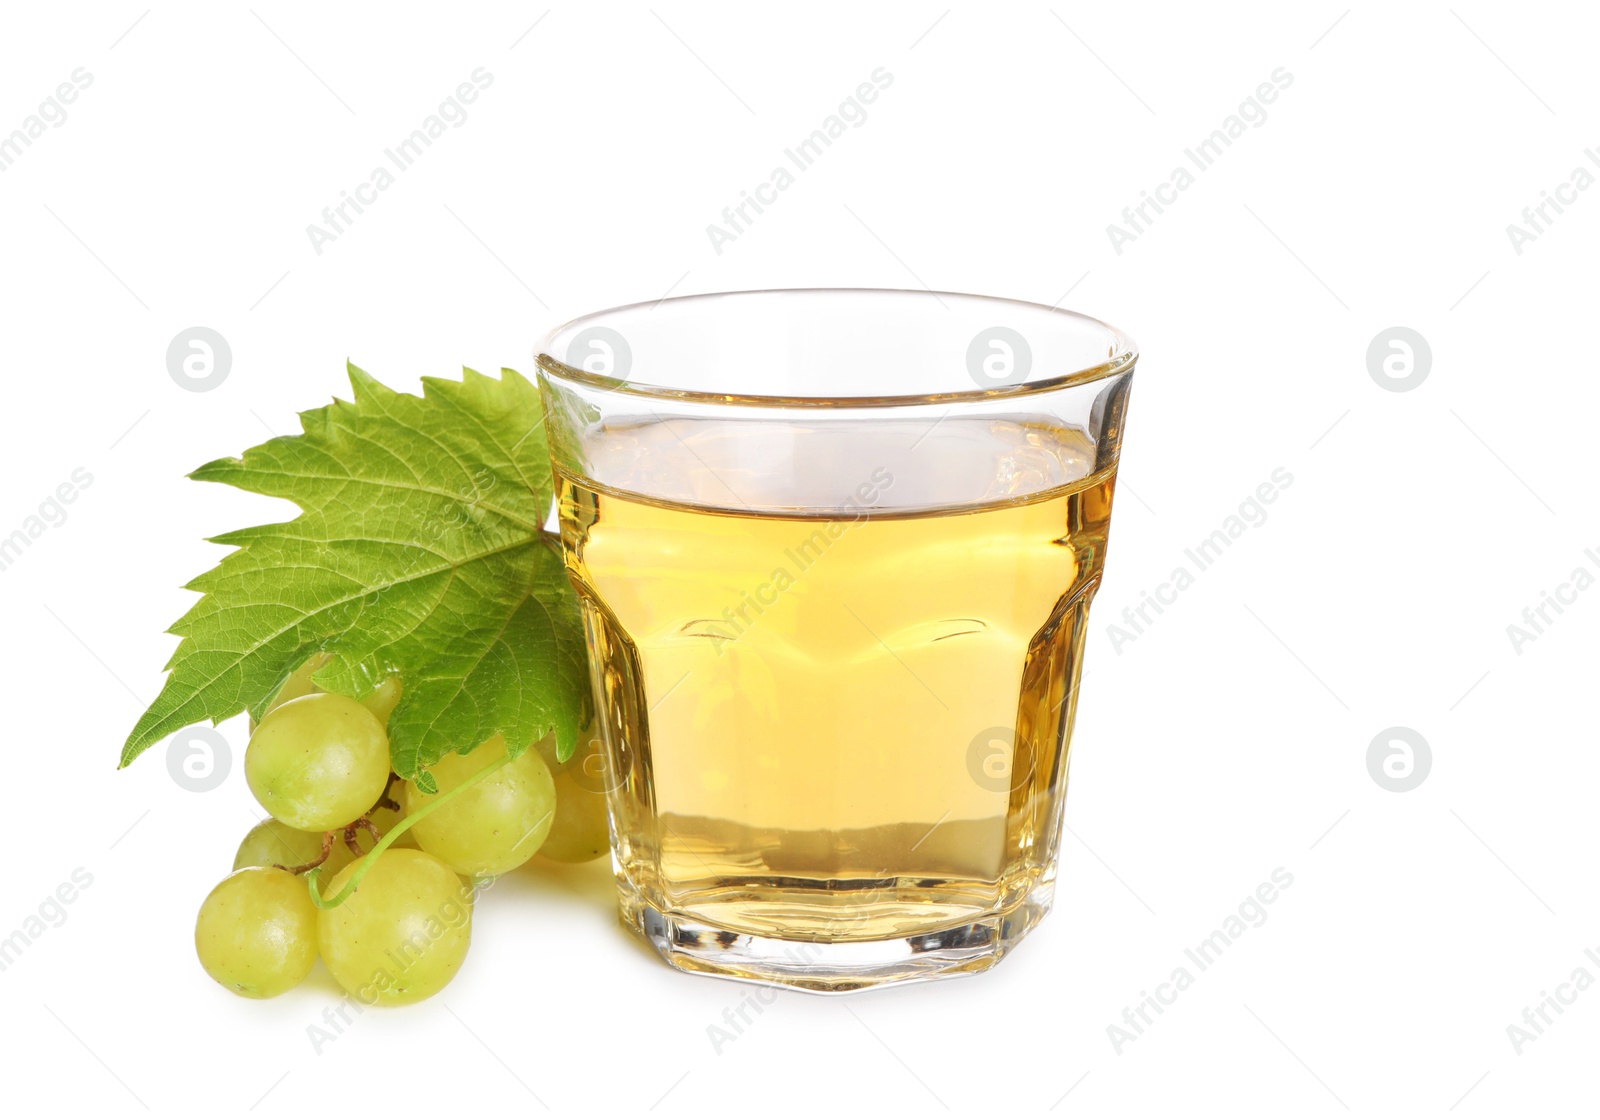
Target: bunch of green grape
[(318, 762)]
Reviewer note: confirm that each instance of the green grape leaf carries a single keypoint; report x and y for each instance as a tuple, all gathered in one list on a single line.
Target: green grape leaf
[(419, 549)]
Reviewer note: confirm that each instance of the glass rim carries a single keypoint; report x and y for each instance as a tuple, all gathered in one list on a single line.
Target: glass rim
[(1123, 355)]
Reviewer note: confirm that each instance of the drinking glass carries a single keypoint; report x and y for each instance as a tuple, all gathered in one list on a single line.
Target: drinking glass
[(835, 551)]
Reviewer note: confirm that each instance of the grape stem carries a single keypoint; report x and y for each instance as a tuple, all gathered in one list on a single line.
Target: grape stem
[(327, 850), (387, 802), (313, 878)]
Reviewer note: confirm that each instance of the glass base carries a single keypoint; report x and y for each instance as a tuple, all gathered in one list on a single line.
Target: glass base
[(691, 945)]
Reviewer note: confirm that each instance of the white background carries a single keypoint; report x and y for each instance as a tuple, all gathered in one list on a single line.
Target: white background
[(1228, 740)]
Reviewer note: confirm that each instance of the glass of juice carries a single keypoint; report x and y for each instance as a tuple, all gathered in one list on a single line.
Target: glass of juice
[(835, 551)]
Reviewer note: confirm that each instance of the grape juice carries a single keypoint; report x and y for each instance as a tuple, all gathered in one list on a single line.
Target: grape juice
[(836, 670)]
